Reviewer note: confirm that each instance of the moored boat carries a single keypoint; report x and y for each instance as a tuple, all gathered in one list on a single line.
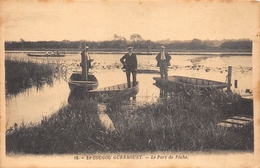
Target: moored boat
[(176, 82), (146, 71), (77, 82), (44, 55), (144, 53), (115, 91)]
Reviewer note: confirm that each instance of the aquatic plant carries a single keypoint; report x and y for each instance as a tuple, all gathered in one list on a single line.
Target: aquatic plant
[(21, 74)]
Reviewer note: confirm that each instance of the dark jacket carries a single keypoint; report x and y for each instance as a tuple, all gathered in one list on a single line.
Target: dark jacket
[(129, 62), (167, 56)]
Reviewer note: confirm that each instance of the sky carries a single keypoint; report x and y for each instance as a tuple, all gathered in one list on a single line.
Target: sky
[(46, 20)]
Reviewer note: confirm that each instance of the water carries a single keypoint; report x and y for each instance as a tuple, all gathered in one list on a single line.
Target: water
[(32, 105)]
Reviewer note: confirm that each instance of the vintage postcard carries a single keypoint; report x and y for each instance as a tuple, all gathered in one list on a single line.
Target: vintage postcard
[(129, 83)]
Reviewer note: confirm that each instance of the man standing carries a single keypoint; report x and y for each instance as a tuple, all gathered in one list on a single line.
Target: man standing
[(129, 61), (163, 60), (85, 63)]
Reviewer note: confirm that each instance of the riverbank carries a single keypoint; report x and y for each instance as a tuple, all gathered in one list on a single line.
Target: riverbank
[(184, 122)]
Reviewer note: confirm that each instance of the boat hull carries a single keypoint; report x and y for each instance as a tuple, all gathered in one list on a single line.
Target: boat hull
[(146, 71), (116, 91), (76, 82), (104, 94), (144, 53), (176, 83), (44, 55)]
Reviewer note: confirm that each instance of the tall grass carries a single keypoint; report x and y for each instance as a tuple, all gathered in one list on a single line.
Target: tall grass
[(186, 121), (21, 74)]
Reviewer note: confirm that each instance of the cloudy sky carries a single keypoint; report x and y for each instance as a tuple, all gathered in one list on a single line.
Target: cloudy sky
[(154, 20)]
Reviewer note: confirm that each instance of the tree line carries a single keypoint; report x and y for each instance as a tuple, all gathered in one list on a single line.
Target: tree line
[(120, 43)]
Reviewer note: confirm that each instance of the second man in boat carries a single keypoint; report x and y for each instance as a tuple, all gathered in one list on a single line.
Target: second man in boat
[(129, 61)]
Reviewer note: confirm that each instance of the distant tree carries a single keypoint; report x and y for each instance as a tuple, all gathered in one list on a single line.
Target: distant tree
[(196, 44), (136, 37), (212, 43), (237, 44), (22, 40), (137, 42), (118, 37), (115, 36), (148, 44)]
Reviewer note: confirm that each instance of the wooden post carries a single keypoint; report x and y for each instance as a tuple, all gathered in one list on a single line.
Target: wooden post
[(235, 84), (134, 98), (229, 78)]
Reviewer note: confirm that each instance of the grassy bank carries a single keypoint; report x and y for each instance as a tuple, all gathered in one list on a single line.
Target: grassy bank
[(21, 74), (186, 121)]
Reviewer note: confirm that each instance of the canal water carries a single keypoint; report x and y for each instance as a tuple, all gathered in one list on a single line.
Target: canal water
[(31, 105)]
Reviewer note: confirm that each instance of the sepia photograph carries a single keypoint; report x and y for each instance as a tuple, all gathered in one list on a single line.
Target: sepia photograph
[(130, 83)]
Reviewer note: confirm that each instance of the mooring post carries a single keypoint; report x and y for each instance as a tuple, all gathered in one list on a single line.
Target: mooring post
[(134, 98), (229, 78), (235, 84)]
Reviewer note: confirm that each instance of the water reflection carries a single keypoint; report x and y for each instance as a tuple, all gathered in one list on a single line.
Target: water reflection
[(76, 95), (163, 94), (14, 88), (34, 103)]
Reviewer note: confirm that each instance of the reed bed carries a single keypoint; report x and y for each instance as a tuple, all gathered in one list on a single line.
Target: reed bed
[(186, 121), (21, 74)]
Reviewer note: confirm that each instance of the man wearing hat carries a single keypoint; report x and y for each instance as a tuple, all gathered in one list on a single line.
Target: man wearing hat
[(130, 64), (163, 60), (85, 63)]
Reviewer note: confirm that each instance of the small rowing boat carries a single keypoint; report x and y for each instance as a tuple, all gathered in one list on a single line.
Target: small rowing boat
[(146, 71), (77, 82), (144, 53), (177, 82), (115, 91), (119, 91), (44, 55)]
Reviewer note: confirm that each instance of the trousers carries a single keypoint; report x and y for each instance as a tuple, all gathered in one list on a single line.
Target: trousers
[(128, 74), (163, 69)]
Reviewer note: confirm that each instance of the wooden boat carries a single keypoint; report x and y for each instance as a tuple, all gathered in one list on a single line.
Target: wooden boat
[(115, 91), (76, 81), (45, 55), (146, 71), (175, 83), (143, 53)]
